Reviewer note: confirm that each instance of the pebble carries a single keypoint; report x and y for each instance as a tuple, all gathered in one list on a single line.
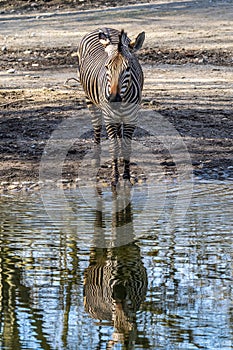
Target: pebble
[(11, 71), (48, 56), (4, 183), (13, 187), (63, 181), (27, 183), (27, 52), (35, 186)]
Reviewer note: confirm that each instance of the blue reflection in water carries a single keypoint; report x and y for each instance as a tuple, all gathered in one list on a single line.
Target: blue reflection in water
[(167, 287)]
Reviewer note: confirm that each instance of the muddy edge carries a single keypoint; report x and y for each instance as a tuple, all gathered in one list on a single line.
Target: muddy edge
[(189, 83)]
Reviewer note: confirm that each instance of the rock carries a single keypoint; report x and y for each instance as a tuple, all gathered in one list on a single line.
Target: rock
[(27, 52), (4, 183), (11, 71), (153, 103), (13, 187), (35, 186)]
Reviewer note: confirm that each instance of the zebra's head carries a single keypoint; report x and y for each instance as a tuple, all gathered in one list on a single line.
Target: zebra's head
[(119, 63)]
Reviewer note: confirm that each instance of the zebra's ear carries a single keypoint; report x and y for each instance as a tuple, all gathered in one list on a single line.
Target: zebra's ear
[(104, 40), (137, 43)]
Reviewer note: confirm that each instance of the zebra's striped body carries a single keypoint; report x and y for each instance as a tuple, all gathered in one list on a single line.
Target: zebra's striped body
[(112, 79)]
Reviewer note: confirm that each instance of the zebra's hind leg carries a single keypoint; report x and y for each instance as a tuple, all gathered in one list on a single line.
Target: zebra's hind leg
[(128, 130), (112, 130), (96, 118)]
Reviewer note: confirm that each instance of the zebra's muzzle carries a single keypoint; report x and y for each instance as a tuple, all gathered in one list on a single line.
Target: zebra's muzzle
[(115, 98)]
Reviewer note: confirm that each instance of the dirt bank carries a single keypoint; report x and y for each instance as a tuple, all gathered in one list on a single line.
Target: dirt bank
[(190, 87)]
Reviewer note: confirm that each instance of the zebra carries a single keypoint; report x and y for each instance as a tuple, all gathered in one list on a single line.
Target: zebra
[(112, 79)]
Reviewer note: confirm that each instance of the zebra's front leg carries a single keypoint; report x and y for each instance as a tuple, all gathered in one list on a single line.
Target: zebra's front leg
[(97, 146), (112, 130), (128, 130)]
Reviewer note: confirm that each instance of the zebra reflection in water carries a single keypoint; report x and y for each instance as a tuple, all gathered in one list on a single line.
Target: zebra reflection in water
[(115, 283)]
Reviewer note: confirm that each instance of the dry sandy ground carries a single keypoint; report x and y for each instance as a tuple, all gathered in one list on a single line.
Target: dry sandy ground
[(187, 61)]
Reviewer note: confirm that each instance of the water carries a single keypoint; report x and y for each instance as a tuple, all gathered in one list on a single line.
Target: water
[(69, 285)]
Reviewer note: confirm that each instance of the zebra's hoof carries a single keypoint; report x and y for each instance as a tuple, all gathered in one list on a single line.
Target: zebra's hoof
[(126, 176)]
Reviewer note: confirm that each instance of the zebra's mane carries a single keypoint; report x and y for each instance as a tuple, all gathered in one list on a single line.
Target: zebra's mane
[(122, 40)]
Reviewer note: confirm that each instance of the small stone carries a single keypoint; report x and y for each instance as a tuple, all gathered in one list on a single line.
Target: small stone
[(4, 183), (74, 54), (48, 56), (11, 71), (12, 187), (27, 183), (34, 186), (27, 52), (63, 181), (152, 103)]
